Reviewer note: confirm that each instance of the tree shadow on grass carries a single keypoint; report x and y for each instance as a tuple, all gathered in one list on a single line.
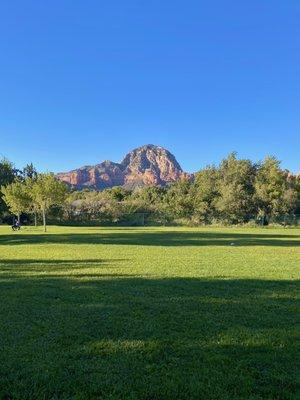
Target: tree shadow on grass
[(137, 338), (52, 268), (156, 238)]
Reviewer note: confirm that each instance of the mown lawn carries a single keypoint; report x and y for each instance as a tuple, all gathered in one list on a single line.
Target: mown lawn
[(149, 313)]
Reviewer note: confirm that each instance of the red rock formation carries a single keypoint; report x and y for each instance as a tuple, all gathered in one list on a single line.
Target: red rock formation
[(145, 166)]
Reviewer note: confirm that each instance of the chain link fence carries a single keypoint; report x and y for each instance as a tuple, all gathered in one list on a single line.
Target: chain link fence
[(163, 219)]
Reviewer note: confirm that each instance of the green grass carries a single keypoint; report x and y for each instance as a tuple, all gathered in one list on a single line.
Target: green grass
[(149, 313)]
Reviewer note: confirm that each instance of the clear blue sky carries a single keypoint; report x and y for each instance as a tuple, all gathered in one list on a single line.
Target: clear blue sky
[(82, 81)]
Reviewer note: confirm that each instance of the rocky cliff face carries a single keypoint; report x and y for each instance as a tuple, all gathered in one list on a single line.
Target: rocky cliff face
[(146, 166)]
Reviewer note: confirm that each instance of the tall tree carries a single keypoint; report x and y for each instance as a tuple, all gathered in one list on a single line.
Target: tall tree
[(206, 193), (179, 200), (236, 188), (296, 185), (150, 194), (17, 197), (47, 191), (7, 176), (118, 193), (29, 171), (30, 174), (273, 191), (33, 207)]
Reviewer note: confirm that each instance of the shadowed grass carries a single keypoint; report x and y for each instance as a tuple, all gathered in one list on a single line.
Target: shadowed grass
[(157, 238)]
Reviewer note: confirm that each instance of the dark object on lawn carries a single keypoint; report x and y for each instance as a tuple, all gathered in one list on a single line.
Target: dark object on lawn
[(16, 226)]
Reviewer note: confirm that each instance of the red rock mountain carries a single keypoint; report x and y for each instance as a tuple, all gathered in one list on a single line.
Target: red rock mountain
[(146, 166)]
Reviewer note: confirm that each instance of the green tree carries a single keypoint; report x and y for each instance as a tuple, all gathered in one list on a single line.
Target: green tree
[(179, 199), (29, 171), (274, 192), (47, 191), (118, 193), (33, 207), (17, 197), (205, 193), (297, 188), (30, 174), (150, 194), (235, 202), (7, 176)]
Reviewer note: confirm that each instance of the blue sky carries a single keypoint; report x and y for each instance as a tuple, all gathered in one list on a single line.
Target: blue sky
[(83, 81)]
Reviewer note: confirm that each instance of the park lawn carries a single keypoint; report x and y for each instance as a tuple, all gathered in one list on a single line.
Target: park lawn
[(149, 313)]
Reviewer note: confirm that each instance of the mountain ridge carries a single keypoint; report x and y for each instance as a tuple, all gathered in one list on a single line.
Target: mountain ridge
[(148, 165)]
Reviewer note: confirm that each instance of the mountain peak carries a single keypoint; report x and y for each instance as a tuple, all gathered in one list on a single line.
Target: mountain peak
[(147, 165)]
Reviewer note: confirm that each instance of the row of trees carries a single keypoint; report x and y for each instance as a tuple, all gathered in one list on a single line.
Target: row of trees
[(28, 192), (236, 191)]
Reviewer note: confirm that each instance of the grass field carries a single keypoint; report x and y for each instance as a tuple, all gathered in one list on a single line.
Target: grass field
[(149, 313)]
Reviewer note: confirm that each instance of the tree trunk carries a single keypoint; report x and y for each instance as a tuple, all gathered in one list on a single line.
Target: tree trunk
[(44, 221), (35, 220), (18, 218)]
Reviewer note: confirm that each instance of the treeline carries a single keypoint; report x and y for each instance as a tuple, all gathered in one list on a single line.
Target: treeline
[(235, 192), (28, 192)]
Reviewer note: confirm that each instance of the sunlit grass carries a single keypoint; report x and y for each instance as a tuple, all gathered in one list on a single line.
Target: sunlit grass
[(149, 313)]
